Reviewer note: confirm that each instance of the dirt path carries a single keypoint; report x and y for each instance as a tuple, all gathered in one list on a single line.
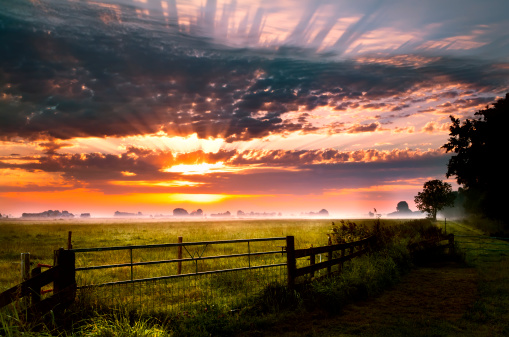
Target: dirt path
[(427, 299)]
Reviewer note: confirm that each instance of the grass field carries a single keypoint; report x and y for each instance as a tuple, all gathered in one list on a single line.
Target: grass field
[(41, 238), (371, 275)]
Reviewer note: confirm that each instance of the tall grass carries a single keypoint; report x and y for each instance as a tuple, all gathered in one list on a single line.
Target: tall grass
[(360, 278)]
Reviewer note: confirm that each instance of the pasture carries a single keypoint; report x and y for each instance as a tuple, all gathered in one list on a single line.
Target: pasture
[(41, 238), (371, 274)]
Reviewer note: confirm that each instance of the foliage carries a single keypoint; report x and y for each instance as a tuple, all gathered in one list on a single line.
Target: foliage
[(435, 195), (367, 276), (121, 325), (402, 207), (348, 231), (478, 144), (276, 298)]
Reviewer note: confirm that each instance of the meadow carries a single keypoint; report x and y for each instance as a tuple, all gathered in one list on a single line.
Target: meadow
[(41, 238), (270, 301)]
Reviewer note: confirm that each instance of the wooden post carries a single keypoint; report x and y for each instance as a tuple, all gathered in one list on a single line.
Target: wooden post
[(329, 256), (131, 257), (66, 279), (36, 290), (69, 242), (25, 266), (451, 244), (312, 261), (25, 273), (179, 256), (290, 260), (340, 265)]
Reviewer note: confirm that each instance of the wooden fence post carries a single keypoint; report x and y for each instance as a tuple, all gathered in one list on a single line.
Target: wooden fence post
[(66, 279), (36, 290), (312, 262), (290, 260), (340, 266), (25, 266), (451, 244), (179, 256), (329, 256), (25, 272), (69, 241)]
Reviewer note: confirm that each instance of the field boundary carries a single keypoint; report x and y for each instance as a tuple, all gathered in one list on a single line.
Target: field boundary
[(347, 253)]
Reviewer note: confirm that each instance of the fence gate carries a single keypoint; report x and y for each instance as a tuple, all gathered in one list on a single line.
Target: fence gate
[(180, 276)]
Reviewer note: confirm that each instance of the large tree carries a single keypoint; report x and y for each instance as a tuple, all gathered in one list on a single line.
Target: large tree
[(435, 195), (480, 145)]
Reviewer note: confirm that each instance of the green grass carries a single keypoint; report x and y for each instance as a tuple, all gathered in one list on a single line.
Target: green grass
[(364, 278), (41, 238)]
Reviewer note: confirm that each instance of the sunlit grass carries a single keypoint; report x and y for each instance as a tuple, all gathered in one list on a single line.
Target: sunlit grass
[(216, 295), (41, 238)]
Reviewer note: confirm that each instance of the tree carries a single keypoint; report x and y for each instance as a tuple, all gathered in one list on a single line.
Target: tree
[(180, 212), (435, 195), (402, 207), (478, 145)]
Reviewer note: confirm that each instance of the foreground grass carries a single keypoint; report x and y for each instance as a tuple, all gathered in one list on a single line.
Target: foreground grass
[(364, 279)]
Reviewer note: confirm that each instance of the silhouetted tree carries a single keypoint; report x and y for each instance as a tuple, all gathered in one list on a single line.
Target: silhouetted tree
[(435, 195), (323, 212), (402, 207), (478, 145), (180, 212)]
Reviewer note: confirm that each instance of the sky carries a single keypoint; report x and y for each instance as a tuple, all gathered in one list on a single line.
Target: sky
[(253, 105)]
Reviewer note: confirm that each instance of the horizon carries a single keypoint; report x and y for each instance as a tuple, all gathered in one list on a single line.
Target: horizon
[(206, 216), (234, 105)]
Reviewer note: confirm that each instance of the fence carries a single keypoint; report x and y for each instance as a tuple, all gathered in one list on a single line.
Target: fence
[(153, 282), (178, 284), (348, 252), (62, 277)]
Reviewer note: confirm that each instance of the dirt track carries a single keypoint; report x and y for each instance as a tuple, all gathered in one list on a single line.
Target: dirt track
[(425, 298)]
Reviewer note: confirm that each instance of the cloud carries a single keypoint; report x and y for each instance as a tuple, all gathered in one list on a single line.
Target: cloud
[(255, 170), (65, 81), (364, 128)]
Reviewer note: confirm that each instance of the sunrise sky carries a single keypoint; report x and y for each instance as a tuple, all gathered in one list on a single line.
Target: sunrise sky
[(260, 106)]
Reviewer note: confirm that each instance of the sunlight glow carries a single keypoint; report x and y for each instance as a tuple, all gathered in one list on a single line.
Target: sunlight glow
[(172, 183), (202, 168), (197, 198)]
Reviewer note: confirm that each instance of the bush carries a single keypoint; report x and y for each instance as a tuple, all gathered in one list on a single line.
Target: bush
[(364, 277)]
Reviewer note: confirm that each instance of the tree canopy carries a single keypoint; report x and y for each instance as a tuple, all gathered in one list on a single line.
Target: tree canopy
[(402, 207), (479, 145), (435, 195)]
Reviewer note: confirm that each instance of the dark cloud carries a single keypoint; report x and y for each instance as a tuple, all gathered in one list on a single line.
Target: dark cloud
[(363, 128), (68, 72), (275, 171)]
